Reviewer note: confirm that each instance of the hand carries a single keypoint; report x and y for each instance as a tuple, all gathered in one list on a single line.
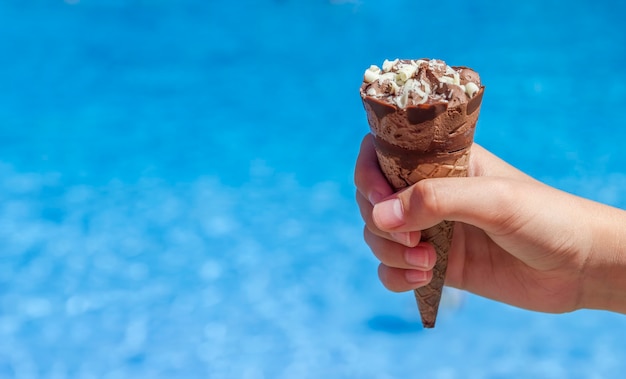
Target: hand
[(516, 240)]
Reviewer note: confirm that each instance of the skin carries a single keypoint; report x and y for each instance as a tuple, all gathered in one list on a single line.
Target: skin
[(516, 240)]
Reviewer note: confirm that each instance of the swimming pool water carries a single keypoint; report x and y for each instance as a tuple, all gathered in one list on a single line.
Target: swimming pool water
[(177, 199)]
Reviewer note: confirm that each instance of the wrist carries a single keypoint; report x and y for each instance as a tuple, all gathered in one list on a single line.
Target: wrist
[(603, 283)]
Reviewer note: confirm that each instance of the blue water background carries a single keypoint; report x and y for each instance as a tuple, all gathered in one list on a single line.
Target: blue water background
[(176, 194)]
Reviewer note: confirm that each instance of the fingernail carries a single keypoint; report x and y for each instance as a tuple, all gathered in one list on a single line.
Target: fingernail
[(415, 276), (389, 213), (417, 257), (402, 237)]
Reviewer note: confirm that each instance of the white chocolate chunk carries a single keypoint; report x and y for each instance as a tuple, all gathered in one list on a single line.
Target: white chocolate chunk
[(470, 89), (403, 99), (394, 87), (387, 76), (406, 71), (371, 74), (435, 63), (457, 78), (388, 65), (405, 82), (447, 80)]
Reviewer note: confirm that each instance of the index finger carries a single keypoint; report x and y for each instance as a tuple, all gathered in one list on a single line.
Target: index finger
[(368, 177)]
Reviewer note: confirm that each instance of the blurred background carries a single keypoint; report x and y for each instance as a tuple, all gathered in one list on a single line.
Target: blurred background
[(176, 194)]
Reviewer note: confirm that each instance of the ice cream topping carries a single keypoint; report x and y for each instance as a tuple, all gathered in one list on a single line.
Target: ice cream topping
[(405, 82)]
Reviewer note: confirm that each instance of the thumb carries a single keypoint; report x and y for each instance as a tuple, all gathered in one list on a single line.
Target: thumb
[(488, 203)]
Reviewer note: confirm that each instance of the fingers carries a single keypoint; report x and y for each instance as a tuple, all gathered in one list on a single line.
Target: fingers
[(489, 203), (368, 177), (400, 280), (430, 201), (421, 256), (372, 187), (410, 238), (402, 268)]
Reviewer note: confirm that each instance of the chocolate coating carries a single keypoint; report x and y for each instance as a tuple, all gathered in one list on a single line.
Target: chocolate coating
[(424, 112)]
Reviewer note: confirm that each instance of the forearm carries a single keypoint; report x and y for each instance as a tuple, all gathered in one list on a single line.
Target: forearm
[(604, 276)]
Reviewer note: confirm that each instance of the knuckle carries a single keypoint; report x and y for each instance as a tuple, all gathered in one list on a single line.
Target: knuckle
[(507, 214), (426, 198)]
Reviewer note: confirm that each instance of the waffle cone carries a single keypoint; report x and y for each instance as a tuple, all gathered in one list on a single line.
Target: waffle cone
[(425, 141), (440, 235)]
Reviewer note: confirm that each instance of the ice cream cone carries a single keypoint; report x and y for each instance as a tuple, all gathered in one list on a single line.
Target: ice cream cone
[(421, 137)]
